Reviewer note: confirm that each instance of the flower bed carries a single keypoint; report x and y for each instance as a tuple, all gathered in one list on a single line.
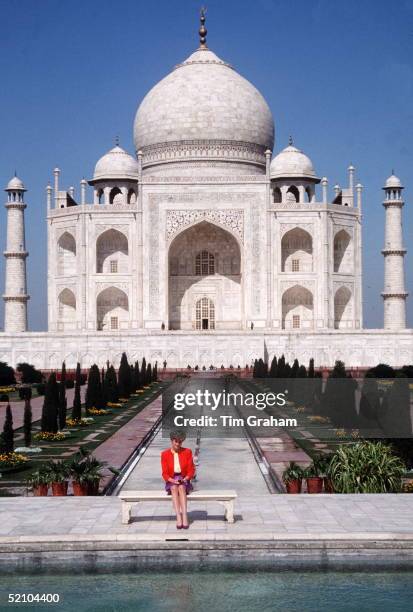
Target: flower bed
[(318, 419), (48, 436), (98, 411), (115, 404), (10, 462), (79, 422), (7, 389)]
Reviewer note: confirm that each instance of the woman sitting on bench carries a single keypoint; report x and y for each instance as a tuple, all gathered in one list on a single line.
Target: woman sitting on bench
[(177, 471)]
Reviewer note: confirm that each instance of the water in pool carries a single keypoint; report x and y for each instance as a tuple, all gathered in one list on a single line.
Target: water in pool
[(217, 592)]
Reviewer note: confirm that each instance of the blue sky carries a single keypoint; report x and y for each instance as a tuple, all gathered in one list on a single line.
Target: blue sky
[(337, 76)]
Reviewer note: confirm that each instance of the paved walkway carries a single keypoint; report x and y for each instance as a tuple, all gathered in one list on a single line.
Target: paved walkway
[(226, 462), (264, 517)]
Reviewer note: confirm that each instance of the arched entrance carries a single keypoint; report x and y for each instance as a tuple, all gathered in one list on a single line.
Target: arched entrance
[(205, 314), (204, 280)]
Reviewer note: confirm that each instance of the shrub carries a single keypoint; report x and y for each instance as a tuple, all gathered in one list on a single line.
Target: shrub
[(77, 404), (4, 397), (8, 432), (25, 393), (70, 384), (40, 388), (29, 373), (62, 398), (94, 392), (124, 377), (6, 374), (292, 472), (27, 423), (382, 371), (111, 385), (366, 467), (50, 405)]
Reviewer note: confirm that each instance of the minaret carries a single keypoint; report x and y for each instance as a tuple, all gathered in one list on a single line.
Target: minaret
[(15, 295), (394, 294)]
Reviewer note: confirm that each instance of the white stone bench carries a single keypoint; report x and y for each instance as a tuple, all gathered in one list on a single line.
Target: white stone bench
[(226, 498)]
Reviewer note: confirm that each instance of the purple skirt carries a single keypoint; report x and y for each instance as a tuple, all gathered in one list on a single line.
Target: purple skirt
[(188, 485)]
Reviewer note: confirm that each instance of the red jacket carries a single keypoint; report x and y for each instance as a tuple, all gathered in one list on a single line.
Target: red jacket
[(185, 460)]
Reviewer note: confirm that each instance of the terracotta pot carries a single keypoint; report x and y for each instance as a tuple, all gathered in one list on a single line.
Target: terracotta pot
[(59, 488), (93, 487), (40, 490), (328, 485), (293, 486), (314, 484), (80, 488)]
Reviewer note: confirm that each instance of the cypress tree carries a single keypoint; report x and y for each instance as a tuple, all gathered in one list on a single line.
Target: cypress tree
[(311, 368), (124, 378), (103, 383), (8, 432), (50, 405), (332, 400), (396, 420), (62, 398), (111, 385), (138, 378), (94, 396), (27, 423), (155, 372), (369, 405), (301, 389), (133, 379), (77, 403), (273, 368), (281, 367), (143, 372), (254, 369), (149, 374)]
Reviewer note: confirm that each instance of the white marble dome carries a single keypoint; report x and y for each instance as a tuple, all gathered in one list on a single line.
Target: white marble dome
[(292, 162), (15, 183), (204, 101), (393, 181), (116, 164)]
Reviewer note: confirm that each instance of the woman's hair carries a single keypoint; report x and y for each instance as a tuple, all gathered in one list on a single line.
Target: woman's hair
[(176, 434)]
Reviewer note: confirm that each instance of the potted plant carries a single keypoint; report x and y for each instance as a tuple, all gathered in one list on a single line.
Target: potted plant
[(366, 467), (58, 475), (78, 471), (39, 482), (313, 478), (86, 473), (292, 477)]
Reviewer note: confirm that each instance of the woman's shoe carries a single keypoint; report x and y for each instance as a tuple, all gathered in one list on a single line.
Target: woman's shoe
[(185, 526), (180, 527)]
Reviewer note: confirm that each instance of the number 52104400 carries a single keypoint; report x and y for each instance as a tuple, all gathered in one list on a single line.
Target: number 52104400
[(33, 598)]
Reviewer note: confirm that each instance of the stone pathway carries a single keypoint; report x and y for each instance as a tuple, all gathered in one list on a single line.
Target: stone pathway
[(263, 517), (117, 449)]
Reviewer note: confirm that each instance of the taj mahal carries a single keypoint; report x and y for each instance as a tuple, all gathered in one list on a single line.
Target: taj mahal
[(207, 246)]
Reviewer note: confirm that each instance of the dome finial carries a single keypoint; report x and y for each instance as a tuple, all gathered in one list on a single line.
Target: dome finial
[(202, 30), (290, 141), (117, 140)]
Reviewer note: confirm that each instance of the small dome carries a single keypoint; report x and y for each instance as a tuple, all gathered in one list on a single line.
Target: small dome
[(15, 183), (393, 181), (116, 164), (292, 163)]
